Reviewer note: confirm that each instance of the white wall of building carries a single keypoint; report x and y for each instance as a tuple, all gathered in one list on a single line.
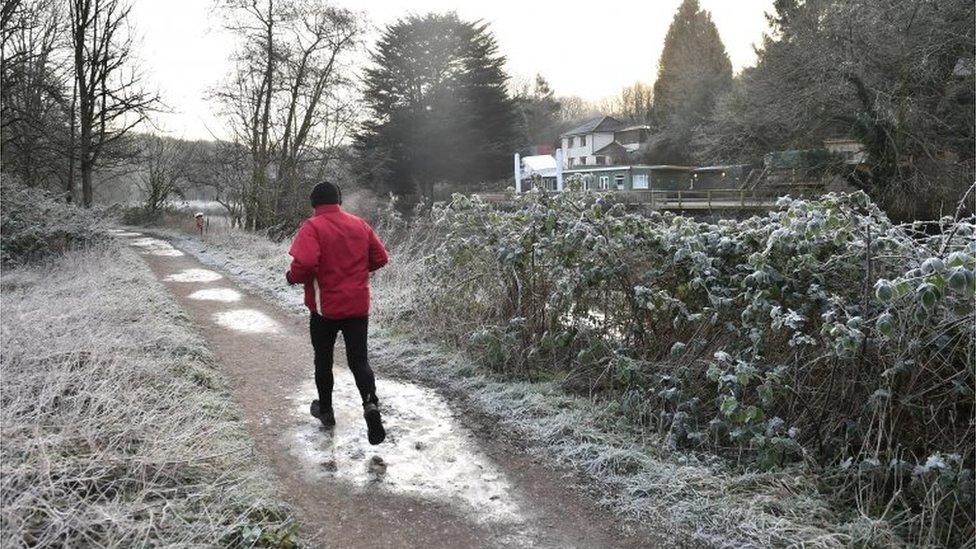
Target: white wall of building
[(576, 152)]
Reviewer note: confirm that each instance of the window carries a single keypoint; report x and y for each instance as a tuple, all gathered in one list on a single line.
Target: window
[(598, 160), (571, 139), (582, 160), (586, 182), (640, 181), (604, 182), (619, 180), (582, 141)]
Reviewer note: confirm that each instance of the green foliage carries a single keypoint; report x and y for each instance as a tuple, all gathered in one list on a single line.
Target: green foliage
[(820, 332), (438, 106), (265, 527), (35, 223)]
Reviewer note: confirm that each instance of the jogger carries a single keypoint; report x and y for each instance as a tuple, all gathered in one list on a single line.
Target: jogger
[(332, 256)]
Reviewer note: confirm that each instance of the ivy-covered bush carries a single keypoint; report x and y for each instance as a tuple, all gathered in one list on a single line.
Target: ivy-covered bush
[(34, 223), (820, 332)]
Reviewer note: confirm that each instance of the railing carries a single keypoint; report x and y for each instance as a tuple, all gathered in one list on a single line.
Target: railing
[(493, 198), (709, 199)]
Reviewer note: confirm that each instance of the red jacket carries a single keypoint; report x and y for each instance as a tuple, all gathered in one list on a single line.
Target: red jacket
[(332, 255)]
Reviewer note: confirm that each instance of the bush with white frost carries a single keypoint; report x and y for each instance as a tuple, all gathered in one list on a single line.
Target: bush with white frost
[(35, 223), (820, 332)]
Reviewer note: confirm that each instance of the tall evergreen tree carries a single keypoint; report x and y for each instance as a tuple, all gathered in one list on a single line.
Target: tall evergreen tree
[(538, 110), (438, 106), (694, 70)]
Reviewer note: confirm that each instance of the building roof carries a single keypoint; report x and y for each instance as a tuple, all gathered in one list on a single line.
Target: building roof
[(587, 169), (668, 167), (657, 168), (721, 168), (598, 124), (543, 165), (613, 147)]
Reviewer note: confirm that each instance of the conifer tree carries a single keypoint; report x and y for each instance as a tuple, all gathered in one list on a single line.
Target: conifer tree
[(538, 110), (438, 106), (694, 70)]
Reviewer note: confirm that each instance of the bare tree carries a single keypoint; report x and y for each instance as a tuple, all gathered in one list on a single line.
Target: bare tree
[(574, 109), (635, 102), (33, 119), (165, 171), (223, 168), (289, 99), (108, 97)]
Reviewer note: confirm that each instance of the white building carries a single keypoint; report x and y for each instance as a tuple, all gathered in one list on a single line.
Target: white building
[(601, 141), (540, 170)]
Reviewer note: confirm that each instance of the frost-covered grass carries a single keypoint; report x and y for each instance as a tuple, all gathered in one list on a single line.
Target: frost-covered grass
[(117, 430), (691, 495)]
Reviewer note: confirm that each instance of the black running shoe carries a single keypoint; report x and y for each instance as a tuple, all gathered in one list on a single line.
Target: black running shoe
[(327, 417), (374, 423)]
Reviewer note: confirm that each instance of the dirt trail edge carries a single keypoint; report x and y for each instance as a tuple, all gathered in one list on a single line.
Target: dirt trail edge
[(433, 483)]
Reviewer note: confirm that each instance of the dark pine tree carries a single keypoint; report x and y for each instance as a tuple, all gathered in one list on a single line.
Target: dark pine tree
[(438, 107), (693, 72), (538, 113)]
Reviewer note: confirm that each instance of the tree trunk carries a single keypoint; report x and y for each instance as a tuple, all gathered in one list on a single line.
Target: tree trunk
[(70, 185), (86, 184), (84, 154)]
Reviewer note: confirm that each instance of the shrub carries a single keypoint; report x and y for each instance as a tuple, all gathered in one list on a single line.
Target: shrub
[(820, 332), (35, 223)]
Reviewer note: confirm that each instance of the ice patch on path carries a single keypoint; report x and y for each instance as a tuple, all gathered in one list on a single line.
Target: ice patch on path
[(149, 243), (427, 453), (172, 252), (154, 246), (225, 295), (194, 275), (246, 320), (128, 234)]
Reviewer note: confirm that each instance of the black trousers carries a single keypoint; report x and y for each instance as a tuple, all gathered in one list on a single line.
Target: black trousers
[(354, 334)]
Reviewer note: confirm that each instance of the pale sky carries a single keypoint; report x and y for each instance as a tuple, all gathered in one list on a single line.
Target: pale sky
[(589, 49)]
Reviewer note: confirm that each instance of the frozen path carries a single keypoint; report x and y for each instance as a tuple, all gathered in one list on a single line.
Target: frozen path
[(433, 483)]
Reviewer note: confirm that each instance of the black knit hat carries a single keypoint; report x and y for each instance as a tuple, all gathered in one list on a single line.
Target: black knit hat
[(325, 193)]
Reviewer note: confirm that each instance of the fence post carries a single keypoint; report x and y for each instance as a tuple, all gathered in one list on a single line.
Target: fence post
[(742, 199), (679, 199), (708, 196), (518, 173), (559, 170)]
